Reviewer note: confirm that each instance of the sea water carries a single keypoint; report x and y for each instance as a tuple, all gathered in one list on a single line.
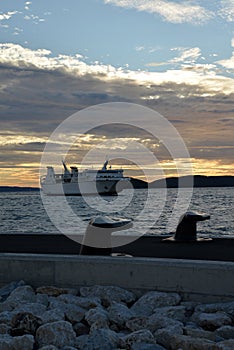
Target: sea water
[(152, 211)]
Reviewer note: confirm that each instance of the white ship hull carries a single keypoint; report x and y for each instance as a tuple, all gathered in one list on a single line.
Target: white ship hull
[(106, 187)]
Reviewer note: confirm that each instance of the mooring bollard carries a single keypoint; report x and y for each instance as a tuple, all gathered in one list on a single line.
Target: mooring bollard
[(97, 238), (187, 227)]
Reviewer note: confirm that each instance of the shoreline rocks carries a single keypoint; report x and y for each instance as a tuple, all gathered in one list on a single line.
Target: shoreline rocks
[(110, 318)]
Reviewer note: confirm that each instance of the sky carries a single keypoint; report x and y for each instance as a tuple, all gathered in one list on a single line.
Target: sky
[(58, 57)]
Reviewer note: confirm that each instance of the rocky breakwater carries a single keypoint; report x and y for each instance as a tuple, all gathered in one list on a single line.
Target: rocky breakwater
[(108, 317)]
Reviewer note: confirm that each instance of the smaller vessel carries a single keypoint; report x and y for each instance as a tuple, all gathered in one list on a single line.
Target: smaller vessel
[(88, 182)]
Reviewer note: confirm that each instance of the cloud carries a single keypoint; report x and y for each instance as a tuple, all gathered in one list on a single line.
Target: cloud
[(187, 55), (228, 63), (174, 12), (227, 10), (7, 15)]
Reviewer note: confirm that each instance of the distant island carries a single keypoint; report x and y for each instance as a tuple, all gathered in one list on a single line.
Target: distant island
[(171, 182)]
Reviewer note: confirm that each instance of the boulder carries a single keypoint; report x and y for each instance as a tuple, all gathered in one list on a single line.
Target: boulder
[(55, 291), (52, 316), (25, 342), (4, 328), (200, 333), (85, 303), (49, 347), (108, 294), (119, 314), (136, 323), (21, 295), (141, 336), (226, 332), (145, 346), (72, 312), (103, 339), (146, 305), (81, 329), (34, 308), (59, 334), (97, 318), (24, 323), (212, 321), (7, 289), (156, 322), (226, 345), (179, 313), (227, 307)]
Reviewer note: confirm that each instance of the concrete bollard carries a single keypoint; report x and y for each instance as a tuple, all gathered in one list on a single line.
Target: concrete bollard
[(97, 238)]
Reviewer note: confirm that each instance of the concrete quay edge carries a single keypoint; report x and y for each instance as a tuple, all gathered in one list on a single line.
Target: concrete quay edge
[(207, 281)]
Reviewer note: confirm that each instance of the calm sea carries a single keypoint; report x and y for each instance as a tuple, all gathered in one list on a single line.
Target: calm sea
[(25, 213)]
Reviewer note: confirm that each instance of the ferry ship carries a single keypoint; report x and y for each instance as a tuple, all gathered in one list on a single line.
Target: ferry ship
[(88, 182)]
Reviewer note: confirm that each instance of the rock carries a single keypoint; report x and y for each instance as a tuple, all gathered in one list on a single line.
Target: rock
[(141, 336), (226, 332), (52, 316), (55, 291), (26, 342), (21, 295), (108, 294), (7, 289), (156, 322), (103, 339), (6, 317), (85, 303), (180, 313), (4, 329), (200, 333), (97, 318), (69, 348), (227, 307), (146, 305), (80, 329), (42, 299), (119, 314), (145, 346), (175, 342), (226, 345), (136, 323), (49, 347), (59, 334), (212, 321), (24, 323), (34, 308), (72, 312)]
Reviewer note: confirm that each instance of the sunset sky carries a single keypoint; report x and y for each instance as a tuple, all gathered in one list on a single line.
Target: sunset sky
[(58, 57)]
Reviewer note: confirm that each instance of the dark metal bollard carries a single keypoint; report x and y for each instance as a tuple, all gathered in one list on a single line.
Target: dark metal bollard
[(97, 238), (187, 227)]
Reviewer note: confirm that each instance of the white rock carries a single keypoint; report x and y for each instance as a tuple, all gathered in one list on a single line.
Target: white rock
[(21, 295), (34, 308), (58, 334), (226, 345), (25, 342), (136, 323), (6, 290), (73, 312), (199, 333), (145, 346), (4, 328), (211, 321), (97, 318), (175, 342), (227, 307), (108, 293), (119, 313), (146, 305), (156, 322), (52, 316), (226, 332), (85, 303), (100, 339), (179, 312), (141, 336)]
